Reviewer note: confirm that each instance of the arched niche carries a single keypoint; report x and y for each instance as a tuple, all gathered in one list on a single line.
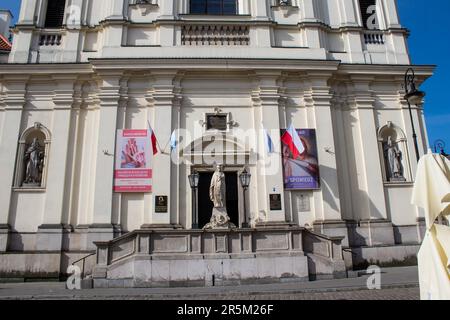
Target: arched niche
[(394, 154), (32, 158)]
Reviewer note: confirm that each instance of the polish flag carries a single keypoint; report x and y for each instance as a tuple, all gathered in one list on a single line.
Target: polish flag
[(293, 141), (153, 137)]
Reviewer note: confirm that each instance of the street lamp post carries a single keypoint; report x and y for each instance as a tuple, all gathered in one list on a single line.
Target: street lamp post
[(193, 181), (245, 178), (413, 97)]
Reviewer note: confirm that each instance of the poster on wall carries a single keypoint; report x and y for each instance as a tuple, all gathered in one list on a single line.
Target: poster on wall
[(300, 159), (133, 169)]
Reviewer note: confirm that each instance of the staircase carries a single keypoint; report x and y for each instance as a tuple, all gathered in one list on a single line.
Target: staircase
[(181, 258)]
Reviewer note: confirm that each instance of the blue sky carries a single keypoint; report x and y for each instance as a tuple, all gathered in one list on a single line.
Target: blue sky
[(429, 43)]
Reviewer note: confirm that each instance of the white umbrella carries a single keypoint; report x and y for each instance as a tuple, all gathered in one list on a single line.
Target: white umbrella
[(432, 193)]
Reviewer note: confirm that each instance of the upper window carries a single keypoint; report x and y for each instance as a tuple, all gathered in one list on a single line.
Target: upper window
[(219, 7), (55, 13)]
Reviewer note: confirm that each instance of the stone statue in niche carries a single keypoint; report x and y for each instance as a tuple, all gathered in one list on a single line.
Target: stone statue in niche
[(34, 164), (394, 162), (217, 194)]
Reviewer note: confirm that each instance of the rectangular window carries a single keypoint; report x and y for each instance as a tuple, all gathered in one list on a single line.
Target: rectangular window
[(218, 7), (55, 13), (368, 9)]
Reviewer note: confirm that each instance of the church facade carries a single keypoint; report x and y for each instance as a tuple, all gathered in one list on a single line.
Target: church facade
[(214, 83)]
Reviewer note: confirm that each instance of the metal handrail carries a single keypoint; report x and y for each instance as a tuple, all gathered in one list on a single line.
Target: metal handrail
[(84, 262)]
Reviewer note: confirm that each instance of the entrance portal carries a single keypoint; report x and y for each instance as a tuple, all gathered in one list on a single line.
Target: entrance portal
[(205, 205)]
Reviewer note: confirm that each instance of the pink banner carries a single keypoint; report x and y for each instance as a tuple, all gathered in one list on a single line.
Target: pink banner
[(133, 169)]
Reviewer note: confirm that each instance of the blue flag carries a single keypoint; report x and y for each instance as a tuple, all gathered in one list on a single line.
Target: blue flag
[(173, 141), (268, 142)]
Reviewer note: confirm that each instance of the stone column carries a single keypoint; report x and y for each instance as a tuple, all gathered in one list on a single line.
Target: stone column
[(166, 31), (23, 36), (375, 227), (260, 10), (50, 232), (328, 208), (266, 97), (101, 228), (347, 12), (167, 9), (162, 99), (116, 9), (391, 13), (113, 29), (260, 34), (27, 12), (311, 28), (15, 91), (72, 36)]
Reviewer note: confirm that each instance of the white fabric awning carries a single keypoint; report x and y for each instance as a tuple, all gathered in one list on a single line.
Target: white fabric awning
[(432, 187), (432, 193)]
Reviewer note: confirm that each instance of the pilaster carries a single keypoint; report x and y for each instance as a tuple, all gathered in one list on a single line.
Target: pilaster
[(319, 97), (391, 13), (260, 10), (27, 12), (162, 100), (267, 96), (348, 13), (116, 9), (14, 100), (101, 227), (371, 193), (49, 235)]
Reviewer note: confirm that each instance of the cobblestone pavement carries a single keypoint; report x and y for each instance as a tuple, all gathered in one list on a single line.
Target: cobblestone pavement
[(397, 284), (385, 294), (410, 293)]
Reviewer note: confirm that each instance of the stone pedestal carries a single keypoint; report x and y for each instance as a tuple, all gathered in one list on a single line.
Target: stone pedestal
[(220, 220)]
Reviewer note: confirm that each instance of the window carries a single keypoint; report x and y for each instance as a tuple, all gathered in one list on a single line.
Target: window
[(54, 17), (368, 14), (219, 7)]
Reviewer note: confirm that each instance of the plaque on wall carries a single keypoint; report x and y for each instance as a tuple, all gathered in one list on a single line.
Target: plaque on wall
[(216, 122), (303, 203), (161, 204), (275, 202)]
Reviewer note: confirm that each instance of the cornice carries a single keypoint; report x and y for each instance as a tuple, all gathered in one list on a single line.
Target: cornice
[(31, 69), (214, 64)]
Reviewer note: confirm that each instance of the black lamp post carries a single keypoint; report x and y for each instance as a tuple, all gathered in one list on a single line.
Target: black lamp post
[(245, 178), (193, 181), (413, 97)]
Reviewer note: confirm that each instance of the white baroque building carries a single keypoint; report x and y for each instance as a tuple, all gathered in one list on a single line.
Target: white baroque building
[(79, 70)]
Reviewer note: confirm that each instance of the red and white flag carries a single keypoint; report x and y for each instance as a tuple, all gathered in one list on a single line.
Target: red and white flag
[(293, 141), (153, 138)]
